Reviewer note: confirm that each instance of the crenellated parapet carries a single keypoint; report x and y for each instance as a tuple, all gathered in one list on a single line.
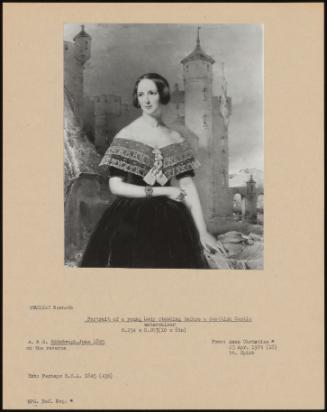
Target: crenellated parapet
[(110, 115), (108, 103)]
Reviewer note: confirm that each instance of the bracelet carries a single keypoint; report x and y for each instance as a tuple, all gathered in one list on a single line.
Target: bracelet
[(181, 196), (148, 191)]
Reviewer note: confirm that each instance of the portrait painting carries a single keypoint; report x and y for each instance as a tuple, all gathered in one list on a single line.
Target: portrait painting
[(163, 146)]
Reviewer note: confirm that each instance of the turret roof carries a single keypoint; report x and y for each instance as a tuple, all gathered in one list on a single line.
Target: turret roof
[(198, 53), (82, 33)]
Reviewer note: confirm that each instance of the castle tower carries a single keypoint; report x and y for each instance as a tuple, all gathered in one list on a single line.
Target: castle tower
[(221, 200), (251, 201), (82, 46), (76, 55), (197, 71), (208, 117)]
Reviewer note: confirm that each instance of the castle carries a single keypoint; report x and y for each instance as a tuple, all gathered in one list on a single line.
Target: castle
[(75, 56), (86, 191), (207, 117), (201, 117)]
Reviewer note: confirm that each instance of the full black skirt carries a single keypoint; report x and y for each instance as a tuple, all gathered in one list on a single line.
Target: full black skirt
[(151, 232)]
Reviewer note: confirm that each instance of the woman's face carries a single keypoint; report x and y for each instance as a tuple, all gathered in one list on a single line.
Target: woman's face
[(148, 97)]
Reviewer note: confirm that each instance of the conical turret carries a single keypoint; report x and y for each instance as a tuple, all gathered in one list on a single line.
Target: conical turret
[(198, 53), (197, 71), (82, 45)]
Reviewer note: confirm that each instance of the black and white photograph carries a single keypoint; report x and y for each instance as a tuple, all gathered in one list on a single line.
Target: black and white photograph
[(164, 146), (145, 267)]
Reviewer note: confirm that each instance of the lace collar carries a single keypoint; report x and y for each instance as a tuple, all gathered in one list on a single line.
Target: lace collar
[(131, 143), (141, 158)]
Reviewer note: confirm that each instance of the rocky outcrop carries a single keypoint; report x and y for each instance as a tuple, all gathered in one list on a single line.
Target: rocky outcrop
[(238, 251), (79, 154), (86, 188)]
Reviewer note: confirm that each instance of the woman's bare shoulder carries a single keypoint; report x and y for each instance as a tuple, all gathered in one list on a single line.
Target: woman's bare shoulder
[(175, 136), (128, 131)]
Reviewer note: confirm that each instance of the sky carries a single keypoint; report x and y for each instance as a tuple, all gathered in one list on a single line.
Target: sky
[(120, 53)]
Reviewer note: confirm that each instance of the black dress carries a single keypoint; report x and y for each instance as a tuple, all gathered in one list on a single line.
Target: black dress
[(150, 232)]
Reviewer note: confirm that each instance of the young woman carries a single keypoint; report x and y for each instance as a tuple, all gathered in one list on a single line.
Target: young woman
[(151, 224)]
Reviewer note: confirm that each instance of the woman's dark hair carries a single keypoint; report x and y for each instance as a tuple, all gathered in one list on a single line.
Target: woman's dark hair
[(162, 86)]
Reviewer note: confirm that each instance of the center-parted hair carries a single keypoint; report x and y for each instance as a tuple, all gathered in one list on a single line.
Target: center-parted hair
[(162, 86)]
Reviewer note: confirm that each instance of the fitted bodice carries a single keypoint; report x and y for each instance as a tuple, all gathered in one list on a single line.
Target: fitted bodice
[(134, 179)]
